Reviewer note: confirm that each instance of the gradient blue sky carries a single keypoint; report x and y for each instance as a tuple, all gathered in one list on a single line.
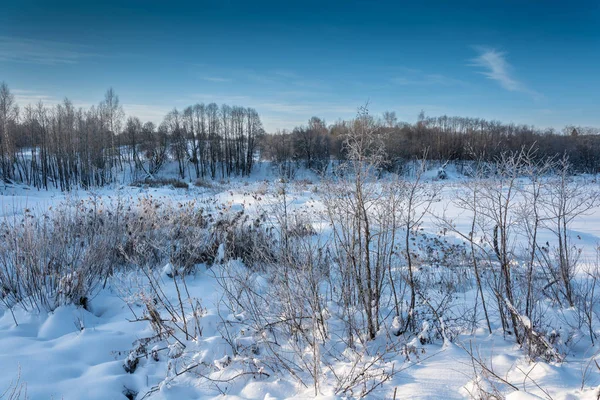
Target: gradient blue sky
[(535, 62)]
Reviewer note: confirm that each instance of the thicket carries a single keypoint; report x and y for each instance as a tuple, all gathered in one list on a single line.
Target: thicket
[(444, 138)]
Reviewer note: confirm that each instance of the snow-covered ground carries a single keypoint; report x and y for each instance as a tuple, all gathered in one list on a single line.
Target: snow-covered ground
[(73, 353)]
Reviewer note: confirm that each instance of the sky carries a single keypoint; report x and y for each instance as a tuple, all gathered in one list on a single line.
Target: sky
[(527, 61)]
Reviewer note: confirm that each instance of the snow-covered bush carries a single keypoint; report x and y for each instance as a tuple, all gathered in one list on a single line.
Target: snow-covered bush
[(285, 317), (49, 261), (63, 256), (245, 238)]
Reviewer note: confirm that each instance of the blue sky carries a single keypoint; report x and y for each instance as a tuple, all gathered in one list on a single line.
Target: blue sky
[(535, 62)]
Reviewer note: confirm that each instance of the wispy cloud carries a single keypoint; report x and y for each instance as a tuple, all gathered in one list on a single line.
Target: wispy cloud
[(279, 78), (308, 109), (215, 98), (25, 97), (216, 79), (33, 51), (418, 78), (28, 97), (495, 66)]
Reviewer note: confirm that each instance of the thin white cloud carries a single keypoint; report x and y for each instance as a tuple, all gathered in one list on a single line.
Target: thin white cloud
[(496, 67), (31, 97), (33, 51), (216, 79), (417, 78), (306, 109), (215, 98), (271, 78), (26, 97)]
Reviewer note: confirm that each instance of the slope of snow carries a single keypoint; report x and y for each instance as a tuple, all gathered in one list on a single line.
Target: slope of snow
[(73, 353)]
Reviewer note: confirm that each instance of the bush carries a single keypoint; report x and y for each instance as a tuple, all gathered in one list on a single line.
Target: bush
[(53, 260), (62, 257), (244, 239), (66, 255), (203, 183), (161, 182)]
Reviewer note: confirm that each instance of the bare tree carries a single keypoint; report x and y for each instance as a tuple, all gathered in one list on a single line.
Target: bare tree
[(350, 204), (566, 197), (8, 116), (112, 116), (133, 130), (390, 118), (498, 197), (532, 217)]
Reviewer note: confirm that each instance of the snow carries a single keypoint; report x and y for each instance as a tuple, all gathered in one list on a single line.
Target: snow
[(522, 396), (73, 353)]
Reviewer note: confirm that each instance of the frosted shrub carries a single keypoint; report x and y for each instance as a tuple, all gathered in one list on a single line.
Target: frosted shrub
[(244, 238), (65, 255), (50, 261)]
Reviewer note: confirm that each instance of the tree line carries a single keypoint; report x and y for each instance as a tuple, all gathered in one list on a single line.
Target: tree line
[(438, 138), (63, 146)]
